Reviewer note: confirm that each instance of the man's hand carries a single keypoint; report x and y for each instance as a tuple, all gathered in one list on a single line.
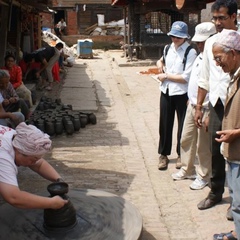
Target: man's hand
[(227, 135), (5, 102), (12, 100), (198, 118), (57, 202)]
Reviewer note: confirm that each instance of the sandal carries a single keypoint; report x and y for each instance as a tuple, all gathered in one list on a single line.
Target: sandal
[(220, 236)]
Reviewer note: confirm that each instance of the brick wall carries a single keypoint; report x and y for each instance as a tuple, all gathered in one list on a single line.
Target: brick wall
[(71, 19), (47, 20)]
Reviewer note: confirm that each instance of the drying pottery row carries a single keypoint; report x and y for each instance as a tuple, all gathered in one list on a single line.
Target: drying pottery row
[(54, 117)]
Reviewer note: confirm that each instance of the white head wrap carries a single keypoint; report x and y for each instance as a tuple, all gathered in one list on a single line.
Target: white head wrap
[(31, 141)]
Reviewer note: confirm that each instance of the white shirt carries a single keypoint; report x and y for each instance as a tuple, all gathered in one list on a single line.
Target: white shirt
[(174, 65), (212, 77), (193, 82), (8, 168), (1, 98)]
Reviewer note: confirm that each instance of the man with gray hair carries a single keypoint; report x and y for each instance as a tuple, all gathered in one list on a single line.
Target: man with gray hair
[(8, 118), (25, 147), (11, 101), (226, 53)]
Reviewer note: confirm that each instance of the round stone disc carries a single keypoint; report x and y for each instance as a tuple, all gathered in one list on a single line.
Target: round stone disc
[(100, 216)]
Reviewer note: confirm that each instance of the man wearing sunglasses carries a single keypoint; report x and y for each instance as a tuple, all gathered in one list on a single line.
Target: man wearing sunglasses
[(215, 81)]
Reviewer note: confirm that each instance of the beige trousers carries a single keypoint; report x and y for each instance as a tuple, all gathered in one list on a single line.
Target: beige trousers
[(195, 141), (24, 93)]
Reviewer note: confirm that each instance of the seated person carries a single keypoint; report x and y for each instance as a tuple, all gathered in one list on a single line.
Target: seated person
[(11, 102), (60, 28), (9, 119), (16, 79)]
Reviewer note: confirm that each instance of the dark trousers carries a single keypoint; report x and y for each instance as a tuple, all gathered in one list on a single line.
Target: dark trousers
[(218, 162), (168, 106), (19, 105)]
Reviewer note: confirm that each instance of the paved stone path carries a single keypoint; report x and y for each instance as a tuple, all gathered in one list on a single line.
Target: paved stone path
[(119, 154)]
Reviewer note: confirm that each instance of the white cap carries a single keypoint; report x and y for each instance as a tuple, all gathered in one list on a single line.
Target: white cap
[(203, 31)]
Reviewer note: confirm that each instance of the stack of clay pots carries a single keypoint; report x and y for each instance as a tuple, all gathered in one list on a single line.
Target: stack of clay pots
[(54, 118)]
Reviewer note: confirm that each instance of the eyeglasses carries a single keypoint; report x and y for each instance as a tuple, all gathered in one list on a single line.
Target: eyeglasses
[(218, 60), (175, 37), (219, 18)]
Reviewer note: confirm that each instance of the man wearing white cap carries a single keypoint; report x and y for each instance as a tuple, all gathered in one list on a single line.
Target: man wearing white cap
[(226, 53), (174, 76), (25, 147), (215, 81), (196, 140)]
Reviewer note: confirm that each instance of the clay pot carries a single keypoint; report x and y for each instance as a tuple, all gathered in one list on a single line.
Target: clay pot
[(68, 126), (92, 118), (40, 124), (83, 120), (60, 218), (76, 123), (50, 128), (57, 188), (59, 126), (58, 101)]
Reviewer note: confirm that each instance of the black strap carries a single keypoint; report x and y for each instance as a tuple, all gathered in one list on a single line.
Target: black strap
[(165, 51), (185, 56)]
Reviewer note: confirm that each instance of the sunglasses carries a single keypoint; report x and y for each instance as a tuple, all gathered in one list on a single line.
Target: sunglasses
[(175, 37)]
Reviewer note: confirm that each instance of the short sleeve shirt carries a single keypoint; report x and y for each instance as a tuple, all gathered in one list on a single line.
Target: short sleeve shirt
[(8, 168), (43, 53)]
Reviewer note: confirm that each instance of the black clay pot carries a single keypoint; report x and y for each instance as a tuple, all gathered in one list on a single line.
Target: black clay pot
[(58, 101), (59, 127), (63, 217), (68, 126), (40, 124), (41, 106), (83, 120), (57, 188), (92, 118), (60, 218), (76, 123), (50, 128)]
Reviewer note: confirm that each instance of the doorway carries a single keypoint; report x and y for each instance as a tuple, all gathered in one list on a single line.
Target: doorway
[(58, 16)]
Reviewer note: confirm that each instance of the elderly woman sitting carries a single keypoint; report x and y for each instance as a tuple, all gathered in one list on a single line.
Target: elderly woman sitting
[(15, 152)]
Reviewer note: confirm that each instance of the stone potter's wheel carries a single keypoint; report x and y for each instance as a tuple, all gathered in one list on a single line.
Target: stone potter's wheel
[(100, 216)]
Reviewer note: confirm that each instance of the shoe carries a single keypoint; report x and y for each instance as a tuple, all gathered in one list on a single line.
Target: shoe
[(229, 215), (178, 163), (163, 162), (208, 203), (48, 88), (180, 175), (198, 184), (220, 236)]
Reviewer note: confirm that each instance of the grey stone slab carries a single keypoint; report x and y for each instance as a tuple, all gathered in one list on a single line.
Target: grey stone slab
[(80, 84), (78, 93)]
